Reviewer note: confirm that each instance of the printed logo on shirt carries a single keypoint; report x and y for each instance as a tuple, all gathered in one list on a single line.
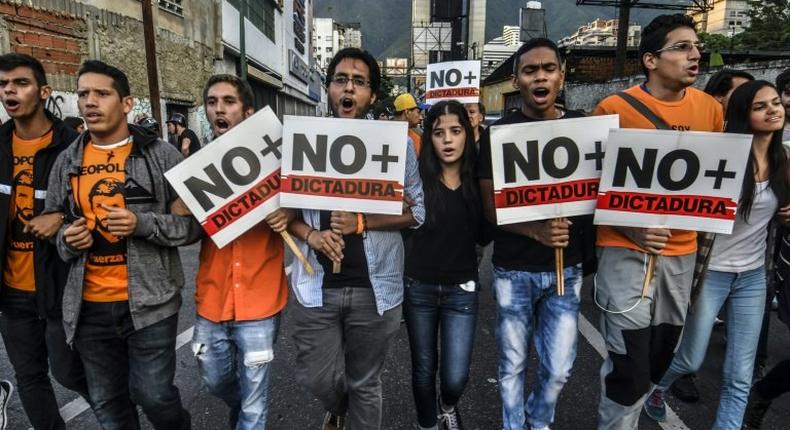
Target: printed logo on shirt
[(23, 213), (136, 193), (108, 249)]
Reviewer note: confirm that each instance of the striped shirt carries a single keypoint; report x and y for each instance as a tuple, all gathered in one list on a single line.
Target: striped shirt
[(383, 251)]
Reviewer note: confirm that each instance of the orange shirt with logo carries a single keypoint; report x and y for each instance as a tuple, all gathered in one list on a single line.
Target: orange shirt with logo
[(696, 111), (101, 183), (18, 272), (243, 281)]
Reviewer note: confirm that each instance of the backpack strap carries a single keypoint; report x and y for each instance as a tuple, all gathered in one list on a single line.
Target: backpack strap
[(640, 107)]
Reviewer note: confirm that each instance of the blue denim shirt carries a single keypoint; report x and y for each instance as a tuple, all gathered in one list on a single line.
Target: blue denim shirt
[(383, 250)]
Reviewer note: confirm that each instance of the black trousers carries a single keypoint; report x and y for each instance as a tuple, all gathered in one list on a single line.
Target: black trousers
[(34, 346)]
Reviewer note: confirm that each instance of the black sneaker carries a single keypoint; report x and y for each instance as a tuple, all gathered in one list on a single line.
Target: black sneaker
[(685, 388), (755, 411), (449, 420)]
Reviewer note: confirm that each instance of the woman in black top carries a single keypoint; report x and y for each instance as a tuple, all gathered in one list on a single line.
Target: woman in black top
[(441, 267)]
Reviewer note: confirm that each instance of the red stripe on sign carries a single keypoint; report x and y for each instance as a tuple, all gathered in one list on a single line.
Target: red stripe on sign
[(688, 205), (453, 92), (532, 195), (242, 205), (367, 189)]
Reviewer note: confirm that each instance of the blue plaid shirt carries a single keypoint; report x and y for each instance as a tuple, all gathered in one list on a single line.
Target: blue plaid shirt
[(383, 251)]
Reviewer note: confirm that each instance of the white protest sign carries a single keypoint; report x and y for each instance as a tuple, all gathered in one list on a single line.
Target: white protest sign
[(548, 169), (671, 179), (343, 164), (233, 183), (453, 80)]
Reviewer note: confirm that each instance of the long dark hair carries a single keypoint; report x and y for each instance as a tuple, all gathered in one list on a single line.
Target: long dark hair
[(431, 167), (739, 111)]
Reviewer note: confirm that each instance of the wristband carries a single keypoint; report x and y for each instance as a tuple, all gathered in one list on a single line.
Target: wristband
[(360, 223), (307, 238)]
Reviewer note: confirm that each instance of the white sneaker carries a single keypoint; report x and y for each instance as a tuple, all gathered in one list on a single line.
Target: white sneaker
[(6, 389)]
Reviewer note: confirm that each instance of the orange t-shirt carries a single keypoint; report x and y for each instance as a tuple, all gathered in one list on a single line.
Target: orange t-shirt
[(101, 182), (18, 272), (417, 139), (243, 281), (696, 111)]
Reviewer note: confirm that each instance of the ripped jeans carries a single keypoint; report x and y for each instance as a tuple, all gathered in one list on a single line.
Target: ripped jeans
[(528, 308), (234, 359)]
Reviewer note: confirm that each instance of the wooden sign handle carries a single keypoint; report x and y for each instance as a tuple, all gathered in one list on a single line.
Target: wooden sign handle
[(651, 267), (559, 264), (297, 252)]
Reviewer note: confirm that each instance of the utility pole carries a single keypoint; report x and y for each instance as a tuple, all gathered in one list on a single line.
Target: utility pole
[(242, 43), (622, 37), (149, 34)]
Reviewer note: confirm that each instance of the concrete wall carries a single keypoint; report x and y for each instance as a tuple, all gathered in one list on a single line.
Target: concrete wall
[(586, 96)]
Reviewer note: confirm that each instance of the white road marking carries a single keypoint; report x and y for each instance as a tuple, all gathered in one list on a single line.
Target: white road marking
[(591, 334), (77, 406)]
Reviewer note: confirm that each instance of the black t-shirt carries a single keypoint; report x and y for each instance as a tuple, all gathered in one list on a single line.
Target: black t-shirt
[(354, 266), (514, 251), (194, 142), (445, 253)]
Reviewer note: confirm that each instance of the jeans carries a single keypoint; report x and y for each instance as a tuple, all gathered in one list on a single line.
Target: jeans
[(127, 367), (234, 358), (429, 309), (745, 297), (340, 352), (527, 304), (30, 342)]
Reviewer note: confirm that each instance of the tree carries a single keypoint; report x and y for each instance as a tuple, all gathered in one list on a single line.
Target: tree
[(386, 87), (715, 42), (769, 28)]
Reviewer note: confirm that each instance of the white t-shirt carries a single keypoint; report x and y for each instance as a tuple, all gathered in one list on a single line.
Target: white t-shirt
[(744, 249), (786, 134)]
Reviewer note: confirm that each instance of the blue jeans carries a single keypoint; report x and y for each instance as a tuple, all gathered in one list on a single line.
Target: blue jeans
[(234, 358), (744, 294), (127, 367), (527, 303), (429, 309)]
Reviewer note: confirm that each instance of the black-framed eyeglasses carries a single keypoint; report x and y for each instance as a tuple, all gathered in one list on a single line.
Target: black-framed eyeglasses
[(682, 47), (343, 80)]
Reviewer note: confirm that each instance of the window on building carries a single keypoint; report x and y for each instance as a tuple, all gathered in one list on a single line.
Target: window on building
[(260, 13), (173, 6)]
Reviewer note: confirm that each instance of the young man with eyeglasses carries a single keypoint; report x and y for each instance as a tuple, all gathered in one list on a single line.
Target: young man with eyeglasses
[(641, 340), (33, 276), (120, 239), (343, 322), (783, 86)]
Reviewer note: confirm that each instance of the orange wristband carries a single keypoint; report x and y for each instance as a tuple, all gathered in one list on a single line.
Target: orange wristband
[(360, 223)]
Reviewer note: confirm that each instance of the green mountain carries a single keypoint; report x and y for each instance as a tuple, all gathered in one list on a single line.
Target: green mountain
[(386, 24)]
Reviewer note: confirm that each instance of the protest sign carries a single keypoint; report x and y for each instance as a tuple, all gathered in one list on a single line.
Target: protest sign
[(548, 169), (233, 184), (671, 179), (344, 164), (453, 80)]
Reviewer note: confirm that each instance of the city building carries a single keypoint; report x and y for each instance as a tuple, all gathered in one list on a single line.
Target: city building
[(601, 32), (278, 51), (394, 66), (728, 17), (62, 34), (330, 36), (511, 35), (432, 40)]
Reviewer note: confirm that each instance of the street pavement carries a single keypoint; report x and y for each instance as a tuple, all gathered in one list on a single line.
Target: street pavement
[(291, 408)]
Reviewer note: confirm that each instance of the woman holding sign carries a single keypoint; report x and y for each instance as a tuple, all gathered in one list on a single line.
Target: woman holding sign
[(441, 267), (735, 267)]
